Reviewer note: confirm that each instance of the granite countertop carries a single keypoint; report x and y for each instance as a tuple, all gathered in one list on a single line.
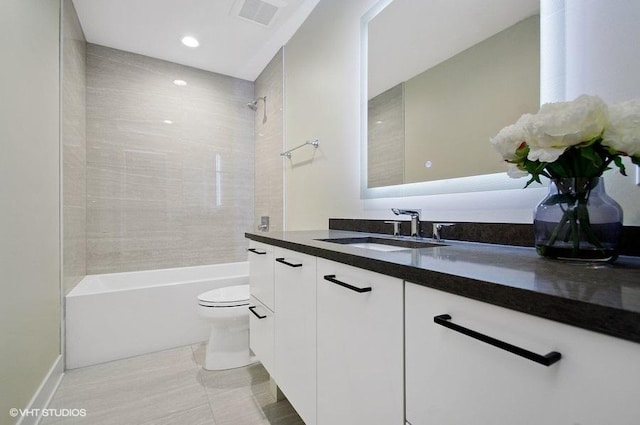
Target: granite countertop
[(603, 298)]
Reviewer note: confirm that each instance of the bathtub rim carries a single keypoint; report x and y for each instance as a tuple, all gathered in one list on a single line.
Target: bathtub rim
[(88, 285)]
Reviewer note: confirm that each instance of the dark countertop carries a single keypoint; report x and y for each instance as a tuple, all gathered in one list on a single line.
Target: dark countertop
[(603, 298)]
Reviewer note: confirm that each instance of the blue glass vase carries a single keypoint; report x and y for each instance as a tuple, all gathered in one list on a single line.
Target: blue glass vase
[(578, 221)]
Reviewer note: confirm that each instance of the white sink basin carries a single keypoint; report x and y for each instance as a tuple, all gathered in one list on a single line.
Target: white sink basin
[(378, 246), (383, 244)]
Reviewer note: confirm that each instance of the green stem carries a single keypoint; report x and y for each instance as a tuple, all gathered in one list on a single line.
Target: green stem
[(575, 232), (559, 227), (583, 216)]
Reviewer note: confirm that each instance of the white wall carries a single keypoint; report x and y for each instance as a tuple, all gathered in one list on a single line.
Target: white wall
[(322, 74), (29, 200), (322, 95), (602, 41)]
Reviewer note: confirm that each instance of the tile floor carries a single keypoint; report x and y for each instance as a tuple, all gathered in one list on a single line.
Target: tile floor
[(169, 388)]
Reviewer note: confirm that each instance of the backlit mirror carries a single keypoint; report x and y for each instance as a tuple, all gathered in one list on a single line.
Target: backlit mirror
[(440, 77)]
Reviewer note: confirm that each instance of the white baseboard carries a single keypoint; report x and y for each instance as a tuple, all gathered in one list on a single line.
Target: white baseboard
[(45, 392)]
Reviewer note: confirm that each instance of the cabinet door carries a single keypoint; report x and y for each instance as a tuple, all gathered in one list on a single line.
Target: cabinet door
[(360, 347), (454, 379), (261, 339), (261, 273), (295, 330)]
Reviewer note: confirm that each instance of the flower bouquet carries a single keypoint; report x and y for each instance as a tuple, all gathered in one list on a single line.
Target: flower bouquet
[(573, 144)]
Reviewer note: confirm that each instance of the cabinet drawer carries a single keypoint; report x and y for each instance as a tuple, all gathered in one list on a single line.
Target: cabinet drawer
[(360, 346), (295, 335), (261, 334), (454, 378), (261, 273)]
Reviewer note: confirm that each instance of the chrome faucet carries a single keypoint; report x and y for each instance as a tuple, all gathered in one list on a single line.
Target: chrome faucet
[(437, 228), (415, 220)]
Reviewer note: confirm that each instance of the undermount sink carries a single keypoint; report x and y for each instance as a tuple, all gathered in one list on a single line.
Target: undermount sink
[(383, 244)]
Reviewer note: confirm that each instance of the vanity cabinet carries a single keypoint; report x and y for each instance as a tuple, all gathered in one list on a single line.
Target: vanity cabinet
[(261, 336), (261, 307), (359, 346), (261, 273), (295, 330), (455, 379)]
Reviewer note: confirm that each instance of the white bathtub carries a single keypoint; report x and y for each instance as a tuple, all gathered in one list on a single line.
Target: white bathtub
[(118, 315)]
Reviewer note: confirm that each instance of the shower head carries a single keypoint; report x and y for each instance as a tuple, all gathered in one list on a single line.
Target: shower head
[(253, 105)]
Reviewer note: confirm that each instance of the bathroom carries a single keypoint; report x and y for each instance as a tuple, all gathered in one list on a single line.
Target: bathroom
[(45, 251)]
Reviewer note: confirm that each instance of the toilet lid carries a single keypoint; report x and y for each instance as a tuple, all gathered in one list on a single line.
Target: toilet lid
[(230, 296)]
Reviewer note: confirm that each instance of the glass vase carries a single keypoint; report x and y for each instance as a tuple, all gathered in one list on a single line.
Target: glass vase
[(578, 221)]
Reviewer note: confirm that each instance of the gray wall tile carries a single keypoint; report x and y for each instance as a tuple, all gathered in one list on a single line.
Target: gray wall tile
[(385, 137), (74, 147), (269, 136), (165, 195)]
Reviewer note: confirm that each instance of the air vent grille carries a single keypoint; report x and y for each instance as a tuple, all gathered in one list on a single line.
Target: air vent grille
[(258, 11)]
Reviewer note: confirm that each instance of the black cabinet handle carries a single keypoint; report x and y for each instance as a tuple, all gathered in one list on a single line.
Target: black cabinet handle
[(283, 261), (547, 359), (258, 315), (332, 278), (255, 251)]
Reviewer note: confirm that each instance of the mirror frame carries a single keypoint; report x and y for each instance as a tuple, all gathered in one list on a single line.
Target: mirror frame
[(481, 183)]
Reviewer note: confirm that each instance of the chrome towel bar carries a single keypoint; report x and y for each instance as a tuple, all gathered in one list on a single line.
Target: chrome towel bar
[(313, 143)]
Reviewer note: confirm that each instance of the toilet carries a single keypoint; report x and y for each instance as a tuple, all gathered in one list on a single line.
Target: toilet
[(227, 311)]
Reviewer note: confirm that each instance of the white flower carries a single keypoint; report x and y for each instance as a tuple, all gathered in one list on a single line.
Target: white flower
[(557, 126), (510, 138), (623, 132)]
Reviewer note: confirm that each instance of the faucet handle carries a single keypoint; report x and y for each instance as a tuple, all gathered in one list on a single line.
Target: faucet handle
[(396, 227), (437, 227), (412, 213)]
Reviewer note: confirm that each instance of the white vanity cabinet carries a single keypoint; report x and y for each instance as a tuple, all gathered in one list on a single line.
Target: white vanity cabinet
[(295, 330), (261, 273), (261, 307), (455, 379), (359, 346), (261, 335)]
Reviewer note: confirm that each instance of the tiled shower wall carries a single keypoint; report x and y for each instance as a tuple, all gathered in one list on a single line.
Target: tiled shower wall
[(385, 138), (169, 168), (269, 129), (74, 147)]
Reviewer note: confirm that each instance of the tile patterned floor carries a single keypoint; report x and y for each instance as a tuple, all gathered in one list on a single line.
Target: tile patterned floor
[(169, 388)]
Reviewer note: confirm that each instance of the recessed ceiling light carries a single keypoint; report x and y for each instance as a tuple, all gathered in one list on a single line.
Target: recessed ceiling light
[(167, 122), (180, 82), (190, 41)]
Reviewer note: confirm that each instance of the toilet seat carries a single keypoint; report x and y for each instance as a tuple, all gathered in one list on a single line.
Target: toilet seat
[(230, 296)]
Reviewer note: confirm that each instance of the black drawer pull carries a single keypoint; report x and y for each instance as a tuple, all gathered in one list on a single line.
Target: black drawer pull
[(332, 278), (283, 261), (252, 309), (255, 251), (547, 359)]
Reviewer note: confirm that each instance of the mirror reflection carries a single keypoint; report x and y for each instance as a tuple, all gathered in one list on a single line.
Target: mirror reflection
[(443, 77)]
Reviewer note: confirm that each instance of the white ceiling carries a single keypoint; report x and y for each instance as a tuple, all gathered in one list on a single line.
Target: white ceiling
[(229, 44), (411, 36)]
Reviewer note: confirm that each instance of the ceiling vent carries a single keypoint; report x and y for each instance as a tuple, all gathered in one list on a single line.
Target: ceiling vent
[(262, 12)]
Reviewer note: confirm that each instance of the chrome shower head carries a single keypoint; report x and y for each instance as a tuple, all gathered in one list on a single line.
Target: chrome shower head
[(253, 105)]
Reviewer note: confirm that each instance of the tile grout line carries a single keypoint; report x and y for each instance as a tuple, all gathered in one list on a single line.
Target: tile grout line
[(201, 382)]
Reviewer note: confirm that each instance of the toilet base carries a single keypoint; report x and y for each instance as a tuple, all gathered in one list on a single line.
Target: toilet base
[(219, 361), (228, 345)]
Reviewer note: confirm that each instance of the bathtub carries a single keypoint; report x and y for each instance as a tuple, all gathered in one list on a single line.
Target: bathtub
[(118, 315)]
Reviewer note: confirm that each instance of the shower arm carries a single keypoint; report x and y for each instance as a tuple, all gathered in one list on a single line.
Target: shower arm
[(313, 143), (254, 103)]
